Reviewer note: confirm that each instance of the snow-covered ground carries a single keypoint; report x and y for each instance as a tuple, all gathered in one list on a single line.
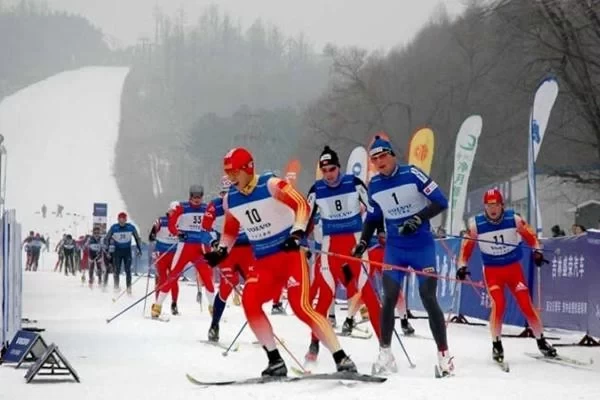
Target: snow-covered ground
[(135, 357), (60, 135)]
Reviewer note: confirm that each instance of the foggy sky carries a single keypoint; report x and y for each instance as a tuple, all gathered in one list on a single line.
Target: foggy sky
[(373, 24)]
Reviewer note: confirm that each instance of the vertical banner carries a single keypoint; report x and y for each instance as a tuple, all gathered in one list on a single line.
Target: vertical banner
[(292, 170), (421, 148), (100, 217), (543, 102), (318, 173), (372, 170), (11, 277), (464, 155), (357, 163)]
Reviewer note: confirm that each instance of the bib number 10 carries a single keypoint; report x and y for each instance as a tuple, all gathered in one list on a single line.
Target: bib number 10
[(253, 216)]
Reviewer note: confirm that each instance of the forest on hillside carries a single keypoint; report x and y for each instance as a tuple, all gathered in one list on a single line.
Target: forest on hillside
[(488, 61), (198, 87), (37, 42)]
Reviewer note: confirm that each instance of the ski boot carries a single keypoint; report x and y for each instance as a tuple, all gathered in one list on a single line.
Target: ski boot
[(385, 364), (546, 348), (407, 328), (276, 365), (497, 351), (155, 311), (332, 320), (174, 310), (348, 326), (277, 309), (445, 365), (343, 363), (213, 333), (313, 351)]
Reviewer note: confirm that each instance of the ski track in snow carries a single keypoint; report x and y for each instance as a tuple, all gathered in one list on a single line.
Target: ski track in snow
[(134, 357), (60, 134)]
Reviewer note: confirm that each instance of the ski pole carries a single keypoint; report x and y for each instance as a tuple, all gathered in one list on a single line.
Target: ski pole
[(304, 370), (398, 268), (109, 320), (226, 352), (125, 290), (147, 287), (141, 276), (522, 245), (369, 278)]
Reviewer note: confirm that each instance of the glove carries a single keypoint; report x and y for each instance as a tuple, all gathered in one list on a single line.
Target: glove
[(359, 249), (347, 271), (214, 258), (138, 252), (538, 258), (292, 243), (411, 225), (214, 245), (182, 236), (462, 272)]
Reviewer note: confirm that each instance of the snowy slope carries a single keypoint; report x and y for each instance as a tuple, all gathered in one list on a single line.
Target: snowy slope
[(134, 357), (60, 134)]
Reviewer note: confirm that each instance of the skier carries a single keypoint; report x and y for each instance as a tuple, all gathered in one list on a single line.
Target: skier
[(28, 251), (121, 233), (35, 246), (404, 198), (274, 216), (68, 246), (238, 262), (185, 222), (61, 254), (94, 249), (164, 250), (502, 266), (338, 198), (44, 210)]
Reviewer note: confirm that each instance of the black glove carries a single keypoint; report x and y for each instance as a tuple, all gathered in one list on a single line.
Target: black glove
[(214, 245), (411, 225), (214, 258), (462, 272), (359, 249), (538, 258), (347, 271), (182, 236), (292, 243)]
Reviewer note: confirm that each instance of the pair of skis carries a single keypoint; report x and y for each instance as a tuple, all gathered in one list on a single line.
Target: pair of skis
[(334, 376)]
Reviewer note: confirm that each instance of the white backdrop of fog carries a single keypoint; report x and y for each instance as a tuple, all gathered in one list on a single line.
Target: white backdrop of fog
[(372, 24)]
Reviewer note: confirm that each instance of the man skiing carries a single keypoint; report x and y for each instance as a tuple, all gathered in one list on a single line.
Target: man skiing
[(185, 222), (165, 244), (404, 198), (500, 232), (238, 262), (274, 216), (121, 233), (94, 247), (338, 198)]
